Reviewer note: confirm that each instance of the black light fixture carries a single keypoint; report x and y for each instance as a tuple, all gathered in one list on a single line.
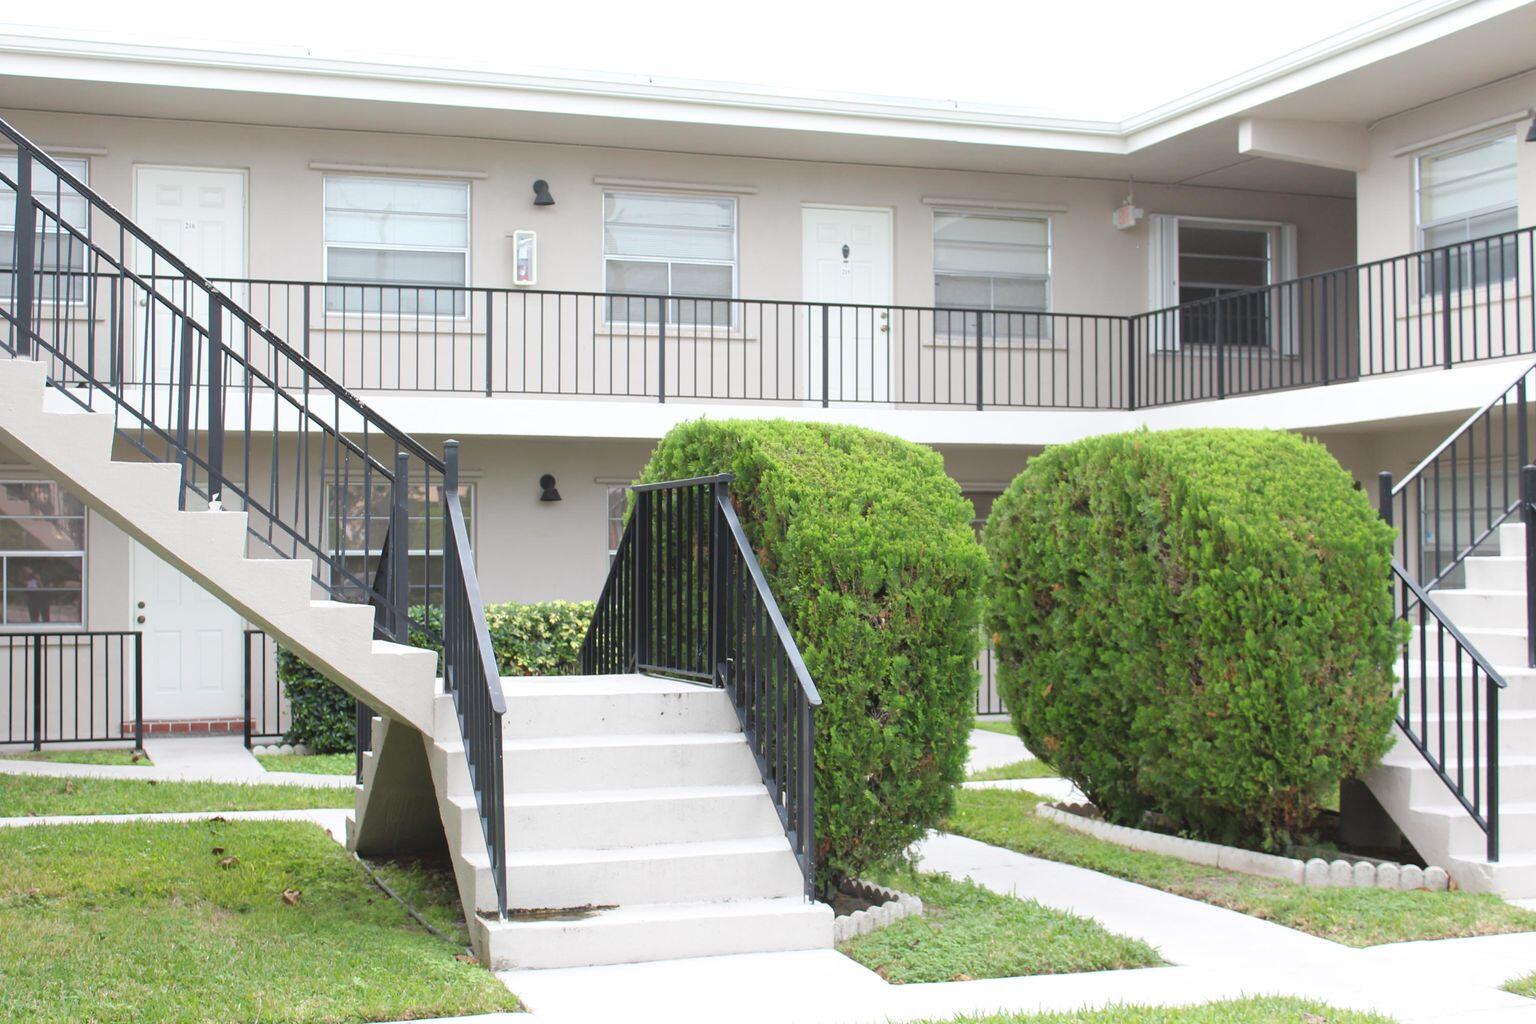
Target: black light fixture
[(1530, 135), (547, 491), (541, 196)]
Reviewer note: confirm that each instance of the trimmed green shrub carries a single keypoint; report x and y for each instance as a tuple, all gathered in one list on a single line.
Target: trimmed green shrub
[(868, 548), (541, 639), (323, 717), (1196, 623)]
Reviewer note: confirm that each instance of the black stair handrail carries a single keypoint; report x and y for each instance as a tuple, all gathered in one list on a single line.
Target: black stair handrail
[(1453, 719), (213, 374), (687, 598), (1496, 439)]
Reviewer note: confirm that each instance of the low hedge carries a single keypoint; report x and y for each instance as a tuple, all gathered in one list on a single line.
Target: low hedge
[(1195, 623), (541, 639), (868, 548)]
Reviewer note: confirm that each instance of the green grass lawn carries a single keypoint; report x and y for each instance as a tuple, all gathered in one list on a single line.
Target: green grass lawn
[(214, 921), (968, 932), (310, 764), (1523, 986), (1354, 917), (1002, 726), (24, 796), (1026, 769), (1241, 1011), (119, 755)]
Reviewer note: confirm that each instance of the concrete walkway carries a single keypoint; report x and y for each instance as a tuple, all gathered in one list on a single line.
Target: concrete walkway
[(182, 759), (1214, 954)]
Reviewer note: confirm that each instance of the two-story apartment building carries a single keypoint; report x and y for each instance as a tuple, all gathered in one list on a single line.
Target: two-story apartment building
[(556, 270)]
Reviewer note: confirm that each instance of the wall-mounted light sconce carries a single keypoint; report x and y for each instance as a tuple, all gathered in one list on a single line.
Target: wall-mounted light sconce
[(547, 491), (1530, 135), (541, 196)]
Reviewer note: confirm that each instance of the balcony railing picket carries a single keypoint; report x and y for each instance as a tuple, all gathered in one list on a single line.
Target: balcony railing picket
[(76, 686)]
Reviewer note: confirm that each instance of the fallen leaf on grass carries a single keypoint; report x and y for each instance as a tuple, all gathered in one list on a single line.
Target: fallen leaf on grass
[(291, 897), (465, 958), (217, 851), (966, 977), (69, 786), (229, 862)]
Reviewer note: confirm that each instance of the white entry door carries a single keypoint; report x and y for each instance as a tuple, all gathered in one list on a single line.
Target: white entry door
[(199, 214), (847, 259), (193, 664)]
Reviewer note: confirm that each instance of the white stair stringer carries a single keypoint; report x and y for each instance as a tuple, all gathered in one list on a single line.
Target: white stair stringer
[(276, 594), (637, 828), (1490, 610)]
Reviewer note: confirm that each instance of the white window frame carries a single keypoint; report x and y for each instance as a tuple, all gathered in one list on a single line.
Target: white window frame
[(608, 517), (1164, 280), (1477, 141), (997, 214), (332, 522), (468, 249), (734, 263), (82, 553), (84, 174)]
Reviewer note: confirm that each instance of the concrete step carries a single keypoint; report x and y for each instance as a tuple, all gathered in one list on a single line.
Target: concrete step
[(644, 761), (1500, 646), (617, 818), (671, 931), (1501, 609), (613, 705), (1496, 572), (1512, 539), (669, 873)]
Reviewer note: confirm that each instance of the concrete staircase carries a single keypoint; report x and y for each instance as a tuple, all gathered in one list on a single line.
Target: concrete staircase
[(637, 826), (1490, 610), (76, 447)]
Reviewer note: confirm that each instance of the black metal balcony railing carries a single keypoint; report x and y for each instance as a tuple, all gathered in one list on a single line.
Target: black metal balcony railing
[(72, 687), (1441, 307)]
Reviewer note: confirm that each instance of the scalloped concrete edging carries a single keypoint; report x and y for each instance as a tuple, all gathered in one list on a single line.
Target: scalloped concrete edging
[(1318, 873), (891, 907)]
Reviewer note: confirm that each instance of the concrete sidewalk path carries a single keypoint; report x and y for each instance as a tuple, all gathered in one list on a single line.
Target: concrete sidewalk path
[(182, 759)]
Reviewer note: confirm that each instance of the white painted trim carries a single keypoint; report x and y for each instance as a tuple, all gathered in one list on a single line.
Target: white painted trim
[(994, 204), (411, 172), (61, 149), (647, 184), (1467, 132)]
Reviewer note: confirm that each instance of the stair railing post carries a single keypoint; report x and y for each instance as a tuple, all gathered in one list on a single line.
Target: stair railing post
[(717, 569), (1492, 740), (1528, 517), (138, 690), (245, 720), (1384, 496), (26, 251), (37, 691), (184, 407), (642, 605), (400, 550), (1445, 308), (215, 372), (1521, 423), (1133, 333)]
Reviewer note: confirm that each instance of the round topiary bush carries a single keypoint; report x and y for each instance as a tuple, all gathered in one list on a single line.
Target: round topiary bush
[(1196, 623), (868, 547)]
